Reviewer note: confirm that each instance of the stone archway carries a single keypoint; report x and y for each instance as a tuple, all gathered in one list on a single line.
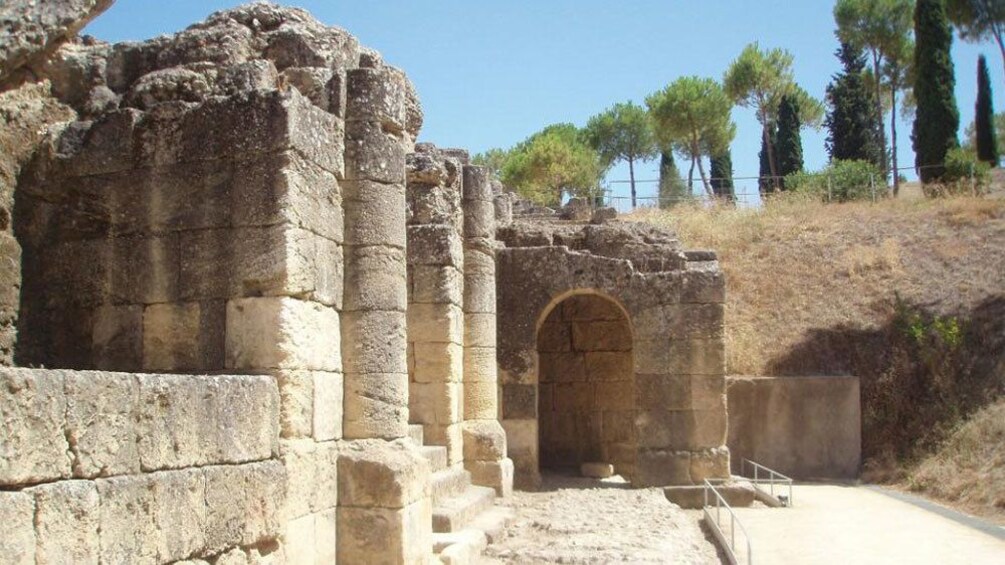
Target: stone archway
[(586, 385)]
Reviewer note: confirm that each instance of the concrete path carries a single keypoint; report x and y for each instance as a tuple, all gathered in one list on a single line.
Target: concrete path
[(845, 524)]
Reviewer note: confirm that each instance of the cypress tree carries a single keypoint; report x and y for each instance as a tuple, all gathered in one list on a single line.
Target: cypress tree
[(937, 119), (672, 188), (721, 173), (984, 121), (850, 122), (766, 182), (789, 145)]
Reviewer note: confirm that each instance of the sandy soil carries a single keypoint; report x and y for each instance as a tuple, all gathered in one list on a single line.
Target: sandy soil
[(576, 520)]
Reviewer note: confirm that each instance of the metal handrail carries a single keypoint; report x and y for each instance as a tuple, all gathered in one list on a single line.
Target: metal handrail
[(716, 524), (773, 477)]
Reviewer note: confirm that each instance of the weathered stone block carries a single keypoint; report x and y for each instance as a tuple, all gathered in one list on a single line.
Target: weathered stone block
[(277, 260), (377, 94), (436, 403), (376, 405), (435, 245), (703, 286), (493, 474), (479, 330), (282, 333), (588, 308), (375, 279), (84, 266), (662, 468), (287, 188), (296, 403), (375, 342), (609, 366), (663, 392), (171, 337), (554, 337), (574, 397), (601, 336), (117, 338), (562, 367), (480, 364), (101, 413), (710, 464), (481, 400), (300, 460), (519, 402), (618, 426), (186, 422), (328, 402), (596, 470), (381, 535), (434, 284), (128, 532), (615, 395), (378, 474), (439, 323), (326, 536), (484, 441), (300, 540), (374, 213), (17, 513), (438, 362), (179, 513), (479, 293), (682, 429), (33, 411), (144, 269), (243, 504), (66, 522), (373, 154)]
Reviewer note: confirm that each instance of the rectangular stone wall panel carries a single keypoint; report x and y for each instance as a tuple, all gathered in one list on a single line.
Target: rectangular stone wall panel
[(17, 513), (33, 411), (101, 410)]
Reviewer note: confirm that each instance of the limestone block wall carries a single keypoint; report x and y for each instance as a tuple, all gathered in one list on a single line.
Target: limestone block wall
[(130, 468), (804, 427), (586, 395), (436, 296), (673, 300)]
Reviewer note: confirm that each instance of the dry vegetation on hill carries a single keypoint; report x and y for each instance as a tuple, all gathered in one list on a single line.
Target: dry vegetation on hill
[(907, 294)]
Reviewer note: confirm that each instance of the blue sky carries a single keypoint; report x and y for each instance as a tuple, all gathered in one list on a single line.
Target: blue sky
[(490, 73)]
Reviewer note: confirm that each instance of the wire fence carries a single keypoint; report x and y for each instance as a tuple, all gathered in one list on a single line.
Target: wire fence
[(751, 191)]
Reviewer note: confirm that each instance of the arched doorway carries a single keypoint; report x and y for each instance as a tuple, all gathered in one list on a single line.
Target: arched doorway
[(586, 386)]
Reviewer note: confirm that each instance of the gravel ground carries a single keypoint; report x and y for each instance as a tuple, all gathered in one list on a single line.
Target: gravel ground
[(576, 520)]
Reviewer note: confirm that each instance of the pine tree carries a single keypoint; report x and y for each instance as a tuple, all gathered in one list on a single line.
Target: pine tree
[(721, 173), (984, 121), (937, 118), (766, 181), (789, 145), (672, 188), (850, 117)]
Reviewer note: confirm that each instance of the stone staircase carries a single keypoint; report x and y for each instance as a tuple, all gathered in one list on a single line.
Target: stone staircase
[(465, 517)]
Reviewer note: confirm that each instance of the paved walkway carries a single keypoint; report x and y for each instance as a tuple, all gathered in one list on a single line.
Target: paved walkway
[(844, 524)]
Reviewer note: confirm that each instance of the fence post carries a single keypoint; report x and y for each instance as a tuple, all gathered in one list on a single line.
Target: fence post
[(829, 195), (872, 185)]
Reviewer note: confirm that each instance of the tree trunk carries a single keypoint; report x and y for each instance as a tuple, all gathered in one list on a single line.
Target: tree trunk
[(704, 180), (877, 60), (690, 179), (771, 157), (893, 138), (631, 178), (1001, 43)]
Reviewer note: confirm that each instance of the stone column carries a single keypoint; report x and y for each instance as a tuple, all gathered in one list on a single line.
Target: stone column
[(484, 438), (384, 513), (435, 318)]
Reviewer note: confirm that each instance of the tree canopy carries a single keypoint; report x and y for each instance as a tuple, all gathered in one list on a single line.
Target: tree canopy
[(789, 142), (984, 117), (693, 114), (551, 163), (851, 135), (979, 20), (622, 133), (493, 159)]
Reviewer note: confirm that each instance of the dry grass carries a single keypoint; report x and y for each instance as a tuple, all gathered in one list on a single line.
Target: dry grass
[(797, 265), (969, 469)]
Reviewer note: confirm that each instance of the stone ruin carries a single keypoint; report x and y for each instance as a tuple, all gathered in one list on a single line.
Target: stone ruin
[(256, 322)]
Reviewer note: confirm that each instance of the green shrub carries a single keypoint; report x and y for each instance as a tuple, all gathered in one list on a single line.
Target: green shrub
[(847, 180), (964, 174)]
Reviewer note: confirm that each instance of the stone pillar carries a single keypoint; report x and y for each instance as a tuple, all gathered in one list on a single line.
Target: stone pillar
[(484, 438), (385, 513), (436, 287), (375, 295)]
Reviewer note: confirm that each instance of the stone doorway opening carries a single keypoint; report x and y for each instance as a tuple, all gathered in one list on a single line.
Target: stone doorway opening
[(586, 386)]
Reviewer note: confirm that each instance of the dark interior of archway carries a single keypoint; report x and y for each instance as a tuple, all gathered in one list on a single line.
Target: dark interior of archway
[(586, 400)]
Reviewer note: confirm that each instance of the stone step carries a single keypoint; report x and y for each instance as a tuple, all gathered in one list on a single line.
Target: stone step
[(437, 456), (455, 513), (448, 483), (415, 433), (459, 548), (493, 522)]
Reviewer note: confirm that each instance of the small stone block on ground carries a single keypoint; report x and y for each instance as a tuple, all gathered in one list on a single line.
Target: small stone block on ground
[(597, 470)]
